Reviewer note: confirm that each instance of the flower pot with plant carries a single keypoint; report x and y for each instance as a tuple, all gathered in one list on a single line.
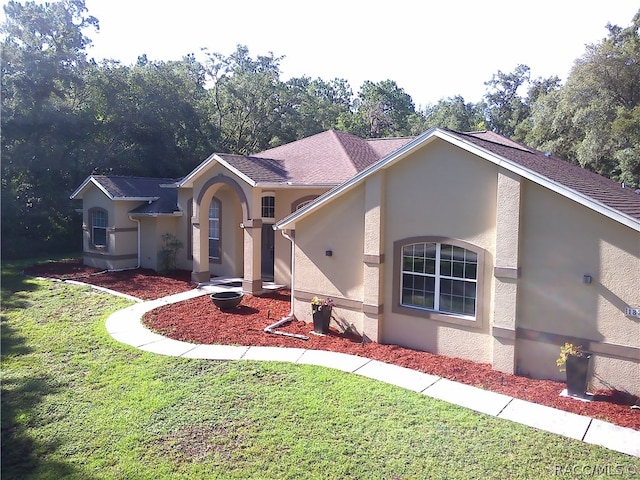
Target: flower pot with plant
[(321, 311), (575, 361)]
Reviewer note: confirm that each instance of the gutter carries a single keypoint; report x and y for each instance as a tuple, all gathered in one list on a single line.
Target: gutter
[(272, 328)]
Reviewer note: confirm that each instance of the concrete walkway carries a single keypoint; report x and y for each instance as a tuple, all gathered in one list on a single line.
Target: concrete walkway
[(126, 327)]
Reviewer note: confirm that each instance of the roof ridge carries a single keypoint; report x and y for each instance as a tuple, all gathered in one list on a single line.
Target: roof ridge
[(509, 144)]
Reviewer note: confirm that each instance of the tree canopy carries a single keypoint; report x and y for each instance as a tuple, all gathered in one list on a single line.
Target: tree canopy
[(65, 116)]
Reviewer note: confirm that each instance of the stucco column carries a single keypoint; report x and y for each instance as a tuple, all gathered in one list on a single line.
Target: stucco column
[(506, 271), (252, 282), (373, 257), (200, 270)]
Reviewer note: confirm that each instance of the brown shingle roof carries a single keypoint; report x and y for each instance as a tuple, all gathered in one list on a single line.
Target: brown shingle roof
[(583, 181), (258, 169), (161, 200), (328, 158), (133, 187)]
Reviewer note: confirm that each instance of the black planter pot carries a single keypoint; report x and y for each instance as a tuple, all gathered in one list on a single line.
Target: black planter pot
[(577, 372), (321, 320), (226, 301)]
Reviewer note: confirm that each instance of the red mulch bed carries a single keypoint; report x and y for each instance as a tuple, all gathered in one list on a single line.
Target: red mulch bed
[(198, 321), (141, 283)]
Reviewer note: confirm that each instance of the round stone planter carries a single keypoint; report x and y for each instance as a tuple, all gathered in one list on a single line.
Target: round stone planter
[(226, 301)]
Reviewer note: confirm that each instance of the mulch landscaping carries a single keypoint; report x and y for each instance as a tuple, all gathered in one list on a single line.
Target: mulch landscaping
[(199, 321)]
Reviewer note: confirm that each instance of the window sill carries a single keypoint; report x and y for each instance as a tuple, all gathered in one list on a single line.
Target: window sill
[(450, 318)]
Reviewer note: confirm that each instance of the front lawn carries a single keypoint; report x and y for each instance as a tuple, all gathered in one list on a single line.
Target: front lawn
[(77, 404)]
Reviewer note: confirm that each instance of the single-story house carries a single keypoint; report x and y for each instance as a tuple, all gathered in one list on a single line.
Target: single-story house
[(461, 244), (223, 211), (474, 246)]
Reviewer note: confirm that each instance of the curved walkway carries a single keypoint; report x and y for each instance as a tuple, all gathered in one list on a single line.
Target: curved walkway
[(126, 327)]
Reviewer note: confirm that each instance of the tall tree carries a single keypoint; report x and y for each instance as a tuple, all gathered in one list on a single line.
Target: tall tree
[(594, 120), (456, 114), (43, 113), (248, 97), (381, 109), (505, 106)]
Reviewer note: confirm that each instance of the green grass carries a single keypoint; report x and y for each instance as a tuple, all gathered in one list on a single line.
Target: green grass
[(77, 404)]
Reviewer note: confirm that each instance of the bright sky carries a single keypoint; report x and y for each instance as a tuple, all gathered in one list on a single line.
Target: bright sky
[(431, 49)]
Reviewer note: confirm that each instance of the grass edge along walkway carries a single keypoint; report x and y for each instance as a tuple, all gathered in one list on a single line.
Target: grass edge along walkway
[(78, 405)]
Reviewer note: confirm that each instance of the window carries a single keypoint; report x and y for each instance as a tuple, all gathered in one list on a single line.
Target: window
[(214, 229), (439, 277), (268, 206), (303, 204), (99, 228)]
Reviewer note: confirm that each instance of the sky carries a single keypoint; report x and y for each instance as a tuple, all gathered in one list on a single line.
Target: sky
[(432, 50)]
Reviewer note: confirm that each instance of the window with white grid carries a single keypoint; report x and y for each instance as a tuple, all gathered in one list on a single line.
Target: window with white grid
[(439, 277)]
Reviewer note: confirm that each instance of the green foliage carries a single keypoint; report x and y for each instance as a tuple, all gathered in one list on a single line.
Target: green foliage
[(77, 404), (168, 254), (64, 117), (594, 120)]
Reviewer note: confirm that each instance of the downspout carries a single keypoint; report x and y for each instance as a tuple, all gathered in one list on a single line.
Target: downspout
[(272, 328), (139, 258)]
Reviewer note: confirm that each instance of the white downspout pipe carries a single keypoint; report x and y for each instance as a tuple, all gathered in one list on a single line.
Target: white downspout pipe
[(272, 328), (139, 257)]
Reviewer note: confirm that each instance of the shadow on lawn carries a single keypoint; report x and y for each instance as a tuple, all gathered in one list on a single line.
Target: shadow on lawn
[(22, 455)]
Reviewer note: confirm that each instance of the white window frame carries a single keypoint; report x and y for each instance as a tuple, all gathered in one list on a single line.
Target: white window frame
[(104, 215), (272, 196), (397, 306), (215, 228)]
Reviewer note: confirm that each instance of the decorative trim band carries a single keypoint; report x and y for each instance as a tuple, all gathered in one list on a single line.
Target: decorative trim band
[(372, 309), (503, 332), (339, 302), (593, 346), (253, 223), (106, 256), (506, 272), (374, 259)]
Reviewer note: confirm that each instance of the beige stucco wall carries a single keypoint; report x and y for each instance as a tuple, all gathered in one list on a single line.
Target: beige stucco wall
[(153, 228), (286, 199), (562, 242), (339, 229), (445, 192), (121, 251), (537, 247)]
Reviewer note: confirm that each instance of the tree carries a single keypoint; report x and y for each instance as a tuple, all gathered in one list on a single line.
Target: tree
[(248, 99), (455, 114), (43, 113), (505, 107), (381, 109), (594, 120)]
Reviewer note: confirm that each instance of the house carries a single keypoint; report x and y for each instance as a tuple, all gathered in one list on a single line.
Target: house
[(462, 244), (474, 246), (223, 211)]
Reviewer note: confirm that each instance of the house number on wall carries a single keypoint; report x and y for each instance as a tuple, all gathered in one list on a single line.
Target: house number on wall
[(632, 312)]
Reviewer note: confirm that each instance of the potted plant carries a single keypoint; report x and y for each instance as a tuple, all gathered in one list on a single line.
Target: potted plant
[(321, 311), (575, 361)]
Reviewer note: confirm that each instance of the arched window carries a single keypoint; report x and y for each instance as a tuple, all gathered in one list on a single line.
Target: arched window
[(440, 276), (98, 219), (214, 229)]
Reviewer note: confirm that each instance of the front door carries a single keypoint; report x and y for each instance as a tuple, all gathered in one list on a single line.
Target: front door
[(268, 240)]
